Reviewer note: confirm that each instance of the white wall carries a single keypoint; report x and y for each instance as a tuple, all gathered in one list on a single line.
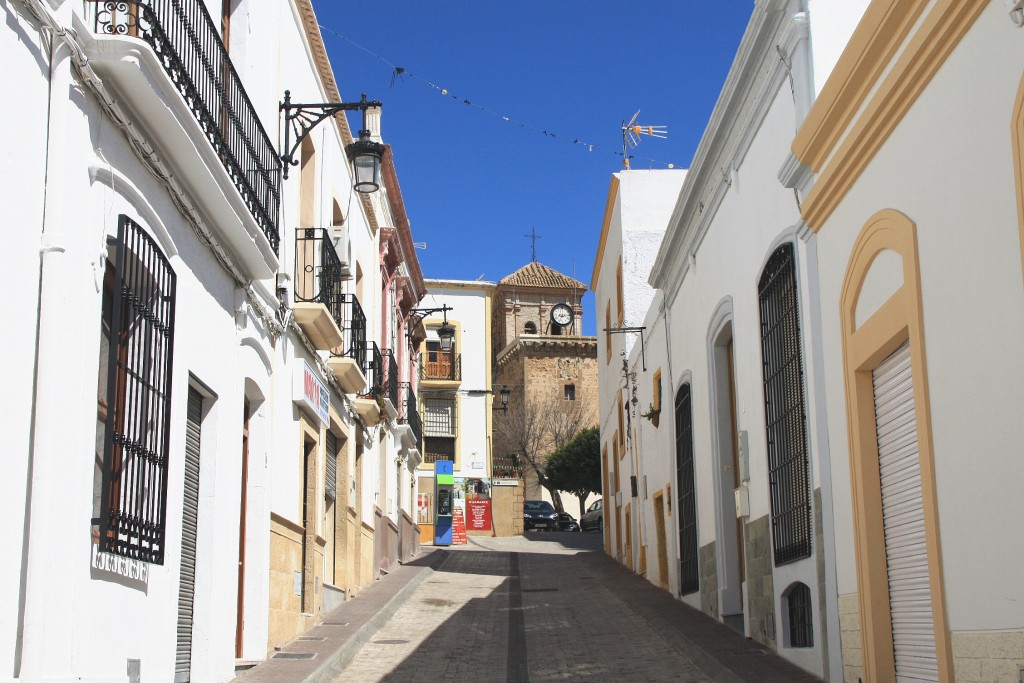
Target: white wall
[(961, 196)]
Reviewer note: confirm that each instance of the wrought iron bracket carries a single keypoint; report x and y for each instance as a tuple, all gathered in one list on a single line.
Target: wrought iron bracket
[(301, 119), (623, 330)]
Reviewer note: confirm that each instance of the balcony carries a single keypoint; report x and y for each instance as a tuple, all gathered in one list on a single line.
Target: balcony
[(507, 467), (409, 416), (373, 369), (348, 358), (441, 366), (389, 385), (170, 70), (318, 288)]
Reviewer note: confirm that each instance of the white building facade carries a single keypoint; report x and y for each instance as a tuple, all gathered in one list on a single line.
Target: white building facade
[(246, 460), (456, 394)]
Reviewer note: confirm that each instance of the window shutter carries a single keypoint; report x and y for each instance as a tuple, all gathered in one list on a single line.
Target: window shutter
[(331, 469)]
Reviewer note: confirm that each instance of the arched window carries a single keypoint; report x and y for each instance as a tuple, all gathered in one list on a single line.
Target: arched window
[(530, 328), (134, 396), (784, 408), (796, 611)]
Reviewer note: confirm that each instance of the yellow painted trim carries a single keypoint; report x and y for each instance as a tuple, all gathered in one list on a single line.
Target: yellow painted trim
[(881, 30), (656, 390), (609, 207), (1017, 133), (927, 50), (620, 298), (607, 334), (900, 319)]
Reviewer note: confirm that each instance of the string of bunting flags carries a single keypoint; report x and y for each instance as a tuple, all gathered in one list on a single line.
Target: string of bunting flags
[(398, 73)]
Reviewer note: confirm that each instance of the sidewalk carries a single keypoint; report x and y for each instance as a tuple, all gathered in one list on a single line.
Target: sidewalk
[(322, 653)]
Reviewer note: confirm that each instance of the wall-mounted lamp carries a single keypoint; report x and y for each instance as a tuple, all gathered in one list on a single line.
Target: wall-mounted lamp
[(364, 153), (623, 330), (504, 395), (446, 332)]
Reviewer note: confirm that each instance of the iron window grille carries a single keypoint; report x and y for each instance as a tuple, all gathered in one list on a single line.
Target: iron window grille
[(188, 45), (785, 412), (689, 577), (136, 442), (798, 611), (439, 416)]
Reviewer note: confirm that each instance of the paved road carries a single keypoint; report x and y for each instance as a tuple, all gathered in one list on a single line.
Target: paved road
[(533, 608)]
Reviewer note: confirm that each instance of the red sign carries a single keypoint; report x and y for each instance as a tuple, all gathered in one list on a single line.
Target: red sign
[(478, 512), (458, 528)]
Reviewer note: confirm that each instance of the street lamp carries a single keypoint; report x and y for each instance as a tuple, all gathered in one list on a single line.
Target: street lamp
[(504, 394), (446, 332), (364, 153)]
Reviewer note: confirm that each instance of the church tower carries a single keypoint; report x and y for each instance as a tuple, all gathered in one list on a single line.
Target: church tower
[(550, 367)]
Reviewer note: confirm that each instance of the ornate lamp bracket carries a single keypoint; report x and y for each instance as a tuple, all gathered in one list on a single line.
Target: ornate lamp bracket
[(300, 119)]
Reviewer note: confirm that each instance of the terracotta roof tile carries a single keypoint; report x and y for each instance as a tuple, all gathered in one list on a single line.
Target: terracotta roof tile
[(536, 274)]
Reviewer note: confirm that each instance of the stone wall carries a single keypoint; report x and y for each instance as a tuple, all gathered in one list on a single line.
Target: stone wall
[(988, 656), (760, 584), (708, 580), (507, 509), (819, 559), (849, 634), (286, 619)]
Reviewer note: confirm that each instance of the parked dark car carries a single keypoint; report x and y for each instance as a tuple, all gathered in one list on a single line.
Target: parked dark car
[(539, 514), (567, 522), (593, 518)]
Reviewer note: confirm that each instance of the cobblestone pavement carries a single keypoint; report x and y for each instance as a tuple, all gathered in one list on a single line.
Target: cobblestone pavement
[(529, 608)]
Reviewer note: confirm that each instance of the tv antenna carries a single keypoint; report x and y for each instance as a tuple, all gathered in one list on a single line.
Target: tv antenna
[(631, 133)]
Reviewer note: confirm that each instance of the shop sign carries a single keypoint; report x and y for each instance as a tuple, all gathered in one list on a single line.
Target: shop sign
[(478, 514), (311, 392)]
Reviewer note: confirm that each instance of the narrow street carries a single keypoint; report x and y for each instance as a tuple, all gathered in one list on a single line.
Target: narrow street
[(538, 607), (535, 607)]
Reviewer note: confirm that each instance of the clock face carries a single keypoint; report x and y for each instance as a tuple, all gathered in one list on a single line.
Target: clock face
[(561, 314)]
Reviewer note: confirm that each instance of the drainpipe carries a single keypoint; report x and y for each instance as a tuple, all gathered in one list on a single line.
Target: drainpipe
[(666, 316), (44, 641)]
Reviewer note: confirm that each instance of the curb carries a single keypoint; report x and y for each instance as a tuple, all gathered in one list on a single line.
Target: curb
[(335, 664)]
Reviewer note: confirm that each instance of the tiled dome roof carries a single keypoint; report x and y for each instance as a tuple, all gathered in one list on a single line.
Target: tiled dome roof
[(536, 274)]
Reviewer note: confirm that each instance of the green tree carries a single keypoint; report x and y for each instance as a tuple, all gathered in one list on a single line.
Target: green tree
[(576, 466)]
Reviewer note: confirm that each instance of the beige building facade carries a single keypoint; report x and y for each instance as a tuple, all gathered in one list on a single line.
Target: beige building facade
[(549, 367)]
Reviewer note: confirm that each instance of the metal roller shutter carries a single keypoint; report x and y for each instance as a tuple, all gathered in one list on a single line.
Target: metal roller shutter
[(906, 553), (189, 525), (331, 470)]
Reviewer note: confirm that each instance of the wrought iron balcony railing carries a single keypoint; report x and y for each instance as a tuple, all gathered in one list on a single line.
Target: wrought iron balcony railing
[(188, 45), (410, 412), (390, 383), (441, 365), (507, 466), (353, 332), (373, 369), (318, 271)]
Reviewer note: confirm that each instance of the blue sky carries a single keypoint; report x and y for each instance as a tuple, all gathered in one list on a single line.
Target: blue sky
[(475, 184)]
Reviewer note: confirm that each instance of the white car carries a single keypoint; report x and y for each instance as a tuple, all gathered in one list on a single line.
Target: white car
[(593, 518)]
